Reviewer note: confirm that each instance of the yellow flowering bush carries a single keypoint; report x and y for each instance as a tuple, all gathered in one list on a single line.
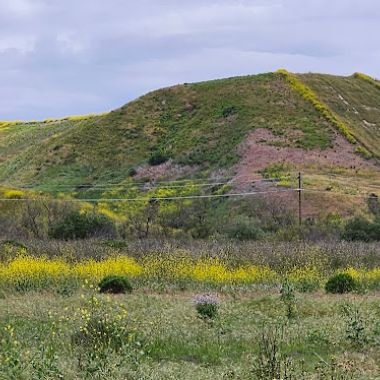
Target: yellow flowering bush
[(215, 271), (13, 194), (369, 279), (26, 272), (42, 272), (96, 270), (202, 271), (306, 279)]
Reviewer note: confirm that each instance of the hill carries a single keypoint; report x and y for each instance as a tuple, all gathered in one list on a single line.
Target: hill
[(242, 127)]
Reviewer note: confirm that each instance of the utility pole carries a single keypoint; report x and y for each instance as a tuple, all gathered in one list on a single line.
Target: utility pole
[(299, 198)]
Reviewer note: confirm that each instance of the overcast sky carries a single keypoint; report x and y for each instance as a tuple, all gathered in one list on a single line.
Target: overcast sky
[(65, 57)]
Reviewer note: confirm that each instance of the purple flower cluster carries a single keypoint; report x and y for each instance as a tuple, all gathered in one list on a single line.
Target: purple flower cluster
[(206, 299)]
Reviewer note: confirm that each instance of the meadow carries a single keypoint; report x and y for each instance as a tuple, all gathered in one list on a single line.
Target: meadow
[(271, 317)]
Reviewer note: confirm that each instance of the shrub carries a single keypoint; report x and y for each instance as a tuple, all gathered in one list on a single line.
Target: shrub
[(157, 158), (288, 297), (207, 306), (77, 225), (356, 332), (360, 229), (244, 228), (103, 329), (227, 110), (272, 362), (131, 172), (115, 285), (341, 283)]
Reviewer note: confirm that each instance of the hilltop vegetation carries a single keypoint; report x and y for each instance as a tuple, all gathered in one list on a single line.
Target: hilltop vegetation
[(199, 125), (355, 100)]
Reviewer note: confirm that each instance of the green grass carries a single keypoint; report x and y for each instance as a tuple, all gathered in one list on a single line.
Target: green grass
[(308, 94), (66, 330), (171, 341), (355, 101)]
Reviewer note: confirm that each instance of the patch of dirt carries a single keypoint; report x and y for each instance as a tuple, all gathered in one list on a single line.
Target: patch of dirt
[(167, 170), (370, 109), (368, 124), (344, 100), (257, 153)]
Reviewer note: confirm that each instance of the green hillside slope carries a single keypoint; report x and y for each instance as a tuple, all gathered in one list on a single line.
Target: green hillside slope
[(355, 100), (199, 128)]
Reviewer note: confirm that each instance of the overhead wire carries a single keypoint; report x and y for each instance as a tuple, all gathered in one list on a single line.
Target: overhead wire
[(150, 185)]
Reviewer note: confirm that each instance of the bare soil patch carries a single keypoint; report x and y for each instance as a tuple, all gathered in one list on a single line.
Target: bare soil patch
[(259, 151), (167, 170)]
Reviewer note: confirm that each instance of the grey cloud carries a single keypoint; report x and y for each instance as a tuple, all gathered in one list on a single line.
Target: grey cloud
[(71, 57)]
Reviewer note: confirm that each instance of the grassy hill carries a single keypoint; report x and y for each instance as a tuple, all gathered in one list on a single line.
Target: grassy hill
[(202, 130)]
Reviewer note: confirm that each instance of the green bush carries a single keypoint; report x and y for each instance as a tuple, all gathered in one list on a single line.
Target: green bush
[(341, 283), (115, 285), (131, 172), (360, 229), (207, 306), (103, 328), (288, 297), (157, 158), (227, 110), (207, 311), (244, 228), (356, 326), (77, 225)]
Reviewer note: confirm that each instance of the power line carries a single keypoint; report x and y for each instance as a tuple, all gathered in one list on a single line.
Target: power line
[(101, 184), (138, 186), (120, 183), (230, 195)]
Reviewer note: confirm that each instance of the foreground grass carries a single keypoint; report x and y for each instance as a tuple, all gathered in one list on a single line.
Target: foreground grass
[(55, 325), (164, 338)]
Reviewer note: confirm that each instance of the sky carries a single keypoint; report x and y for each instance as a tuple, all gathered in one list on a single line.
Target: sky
[(71, 57)]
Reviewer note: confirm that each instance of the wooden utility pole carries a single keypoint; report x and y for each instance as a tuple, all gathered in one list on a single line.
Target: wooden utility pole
[(299, 198)]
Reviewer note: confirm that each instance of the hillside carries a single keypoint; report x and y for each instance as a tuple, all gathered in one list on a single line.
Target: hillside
[(243, 127)]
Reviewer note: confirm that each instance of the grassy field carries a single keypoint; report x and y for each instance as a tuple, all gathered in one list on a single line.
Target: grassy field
[(273, 318), (150, 335)]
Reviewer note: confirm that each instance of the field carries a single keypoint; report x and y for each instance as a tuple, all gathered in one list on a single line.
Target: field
[(327, 339), (273, 320)]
